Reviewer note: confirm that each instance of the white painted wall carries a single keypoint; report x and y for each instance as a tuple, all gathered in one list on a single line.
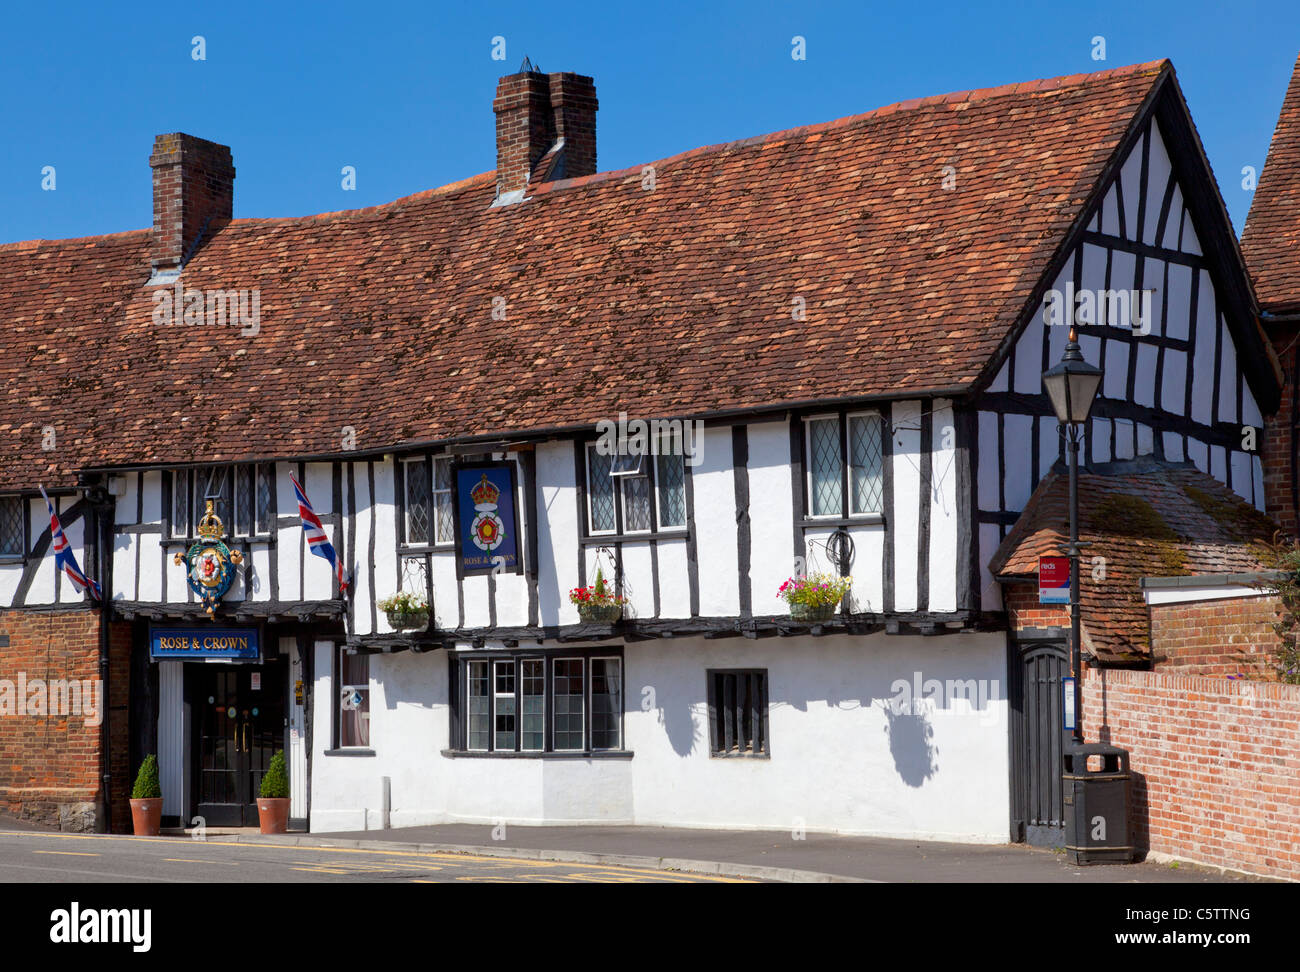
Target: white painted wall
[(839, 761)]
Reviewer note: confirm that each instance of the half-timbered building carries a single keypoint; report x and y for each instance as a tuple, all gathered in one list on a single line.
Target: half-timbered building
[(842, 327)]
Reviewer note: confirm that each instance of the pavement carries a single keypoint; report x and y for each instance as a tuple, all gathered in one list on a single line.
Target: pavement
[(767, 855), (644, 851)]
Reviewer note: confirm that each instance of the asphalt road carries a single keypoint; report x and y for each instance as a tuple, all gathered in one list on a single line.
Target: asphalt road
[(41, 857)]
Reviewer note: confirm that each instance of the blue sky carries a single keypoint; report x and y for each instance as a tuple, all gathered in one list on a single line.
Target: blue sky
[(403, 91)]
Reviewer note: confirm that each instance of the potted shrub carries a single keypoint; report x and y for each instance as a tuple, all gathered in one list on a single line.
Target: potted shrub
[(598, 603), (815, 597), (406, 610), (146, 799), (273, 801)]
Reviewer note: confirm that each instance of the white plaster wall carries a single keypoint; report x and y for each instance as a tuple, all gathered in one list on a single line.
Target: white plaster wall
[(906, 461), (839, 761), (715, 524), (944, 514), (771, 513), (557, 533)]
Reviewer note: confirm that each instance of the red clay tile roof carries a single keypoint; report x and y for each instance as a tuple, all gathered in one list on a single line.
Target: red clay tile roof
[(1147, 519), (1271, 239), (662, 303)]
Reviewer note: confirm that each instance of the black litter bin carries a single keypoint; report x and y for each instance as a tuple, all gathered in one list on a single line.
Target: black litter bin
[(1096, 804)]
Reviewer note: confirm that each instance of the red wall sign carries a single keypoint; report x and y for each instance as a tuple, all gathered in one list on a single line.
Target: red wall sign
[(1053, 580)]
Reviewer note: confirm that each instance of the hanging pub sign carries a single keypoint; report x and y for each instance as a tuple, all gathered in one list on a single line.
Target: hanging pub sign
[(209, 563), (181, 644), (487, 527), (1053, 580)]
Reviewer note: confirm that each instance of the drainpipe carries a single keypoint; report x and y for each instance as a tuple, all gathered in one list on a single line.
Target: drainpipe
[(102, 504)]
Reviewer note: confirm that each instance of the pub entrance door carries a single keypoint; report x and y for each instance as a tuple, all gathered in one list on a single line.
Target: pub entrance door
[(240, 725)]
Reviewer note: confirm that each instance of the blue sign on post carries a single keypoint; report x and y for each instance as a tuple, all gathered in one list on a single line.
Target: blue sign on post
[(487, 528), (179, 644)]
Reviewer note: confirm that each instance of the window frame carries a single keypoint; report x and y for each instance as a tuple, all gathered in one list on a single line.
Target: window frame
[(715, 713), (464, 663), (337, 735), (262, 532), (649, 471), (845, 423), (24, 529)]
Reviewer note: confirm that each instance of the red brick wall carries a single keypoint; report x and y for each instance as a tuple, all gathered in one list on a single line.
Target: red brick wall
[(49, 764), (1024, 611), (1233, 636), (1216, 765)]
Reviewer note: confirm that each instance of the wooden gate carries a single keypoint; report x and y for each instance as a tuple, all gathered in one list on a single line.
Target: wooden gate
[(1037, 738)]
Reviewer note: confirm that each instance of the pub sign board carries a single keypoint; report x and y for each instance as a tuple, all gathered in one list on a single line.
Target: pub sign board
[(1053, 580), (487, 522), (203, 642)]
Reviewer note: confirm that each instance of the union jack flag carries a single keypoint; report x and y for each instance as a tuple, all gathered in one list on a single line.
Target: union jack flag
[(64, 559), (316, 538)]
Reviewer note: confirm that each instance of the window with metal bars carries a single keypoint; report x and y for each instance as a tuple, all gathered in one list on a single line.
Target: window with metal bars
[(845, 456), (13, 533), (242, 496), (738, 712)]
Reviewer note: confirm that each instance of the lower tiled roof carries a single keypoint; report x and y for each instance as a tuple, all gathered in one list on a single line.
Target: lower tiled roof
[(1144, 518)]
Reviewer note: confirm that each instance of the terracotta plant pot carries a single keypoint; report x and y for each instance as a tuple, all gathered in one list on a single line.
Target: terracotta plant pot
[(273, 814), (146, 817)]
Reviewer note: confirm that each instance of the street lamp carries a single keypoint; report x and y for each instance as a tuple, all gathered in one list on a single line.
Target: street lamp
[(1072, 384)]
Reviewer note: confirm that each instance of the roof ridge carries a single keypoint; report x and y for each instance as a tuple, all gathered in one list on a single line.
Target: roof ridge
[(849, 121), (38, 243)]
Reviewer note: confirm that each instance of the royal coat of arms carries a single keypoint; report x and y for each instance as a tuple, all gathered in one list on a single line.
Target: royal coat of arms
[(210, 564), (487, 531)]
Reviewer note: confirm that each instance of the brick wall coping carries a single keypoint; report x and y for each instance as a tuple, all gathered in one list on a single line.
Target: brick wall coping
[(1212, 580), (1240, 688)]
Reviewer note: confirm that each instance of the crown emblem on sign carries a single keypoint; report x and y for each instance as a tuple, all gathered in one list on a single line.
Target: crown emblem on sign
[(485, 494), (211, 527)]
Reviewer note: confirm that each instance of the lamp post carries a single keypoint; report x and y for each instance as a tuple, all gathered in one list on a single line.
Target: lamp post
[(1072, 384)]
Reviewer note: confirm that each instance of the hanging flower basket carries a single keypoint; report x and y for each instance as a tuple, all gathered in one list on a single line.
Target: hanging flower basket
[(814, 598), (597, 604), (408, 620), (600, 613), (406, 611), (812, 612)]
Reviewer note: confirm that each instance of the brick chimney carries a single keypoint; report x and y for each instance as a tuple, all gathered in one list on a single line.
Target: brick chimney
[(573, 102), (193, 190), (535, 110)]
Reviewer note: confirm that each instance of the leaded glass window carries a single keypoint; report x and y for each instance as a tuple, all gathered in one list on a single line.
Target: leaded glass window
[(417, 500), (480, 718), (670, 493), (567, 693), (504, 707), (532, 697), (606, 703), (600, 492), (636, 504), (866, 479), (444, 517), (12, 537), (826, 467)]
